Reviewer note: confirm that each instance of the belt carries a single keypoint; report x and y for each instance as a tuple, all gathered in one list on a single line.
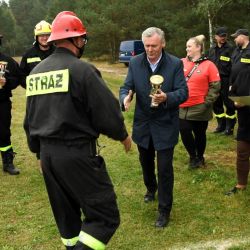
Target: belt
[(87, 146)]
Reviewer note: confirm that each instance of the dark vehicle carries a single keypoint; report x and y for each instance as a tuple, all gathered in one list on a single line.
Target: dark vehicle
[(129, 49)]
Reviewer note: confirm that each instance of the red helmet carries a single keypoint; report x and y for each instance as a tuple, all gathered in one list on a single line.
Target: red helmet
[(66, 25)]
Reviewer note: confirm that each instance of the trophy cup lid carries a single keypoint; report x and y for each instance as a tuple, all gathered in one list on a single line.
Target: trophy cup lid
[(156, 79)]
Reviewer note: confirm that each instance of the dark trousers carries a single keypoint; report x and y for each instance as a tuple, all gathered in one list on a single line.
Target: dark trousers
[(77, 182), (223, 100), (193, 136), (5, 122), (242, 162), (165, 174)]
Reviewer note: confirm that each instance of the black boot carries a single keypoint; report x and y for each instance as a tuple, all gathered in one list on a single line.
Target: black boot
[(221, 125), (8, 166), (229, 126), (80, 246)]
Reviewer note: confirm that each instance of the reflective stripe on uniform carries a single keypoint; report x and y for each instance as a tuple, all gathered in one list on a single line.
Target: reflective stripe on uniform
[(33, 59), (231, 116), (70, 242), (90, 241), (245, 60), (220, 115), (4, 149), (225, 58), (48, 82)]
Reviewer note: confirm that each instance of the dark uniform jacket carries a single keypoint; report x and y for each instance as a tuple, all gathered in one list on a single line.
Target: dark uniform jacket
[(32, 57), (70, 102), (162, 123), (241, 87), (240, 60), (13, 77), (221, 56)]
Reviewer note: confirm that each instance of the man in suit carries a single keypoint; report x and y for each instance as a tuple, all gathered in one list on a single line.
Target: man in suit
[(156, 121)]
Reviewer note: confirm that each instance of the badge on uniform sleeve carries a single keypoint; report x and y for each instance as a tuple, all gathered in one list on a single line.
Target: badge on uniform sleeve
[(47, 83)]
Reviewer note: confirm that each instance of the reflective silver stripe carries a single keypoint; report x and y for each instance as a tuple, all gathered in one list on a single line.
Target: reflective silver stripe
[(33, 59), (220, 115), (90, 241), (225, 58), (70, 242), (245, 60), (231, 116), (4, 149)]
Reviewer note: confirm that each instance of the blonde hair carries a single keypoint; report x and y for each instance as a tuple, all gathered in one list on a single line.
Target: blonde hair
[(199, 41)]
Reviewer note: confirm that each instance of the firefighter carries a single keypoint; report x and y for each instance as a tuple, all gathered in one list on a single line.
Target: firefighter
[(68, 106), (38, 52), (10, 78), (40, 49), (240, 58), (241, 87), (220, 53)]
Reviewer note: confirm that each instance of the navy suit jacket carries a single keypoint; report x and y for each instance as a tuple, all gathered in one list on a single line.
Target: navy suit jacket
[(162, 123)]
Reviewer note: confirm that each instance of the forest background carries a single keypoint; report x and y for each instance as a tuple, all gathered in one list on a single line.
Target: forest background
[(203, 217), (110, 21)]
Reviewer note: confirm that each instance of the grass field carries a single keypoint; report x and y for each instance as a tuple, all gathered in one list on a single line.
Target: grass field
[(202, 217)]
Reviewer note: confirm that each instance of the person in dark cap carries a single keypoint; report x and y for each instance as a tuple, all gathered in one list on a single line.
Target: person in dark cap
[(241, 55), (240, 77), (241, 87), (240, 32), (220, 53)]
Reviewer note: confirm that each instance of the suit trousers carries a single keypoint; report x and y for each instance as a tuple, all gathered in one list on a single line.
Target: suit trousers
[(165, 174)]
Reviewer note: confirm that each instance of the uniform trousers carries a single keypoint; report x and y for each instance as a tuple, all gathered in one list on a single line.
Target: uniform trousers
[(5, 123), (165, 174), (77, 183), (218, 106), (242, 162)]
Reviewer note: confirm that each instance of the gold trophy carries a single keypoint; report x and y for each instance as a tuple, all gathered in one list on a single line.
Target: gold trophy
[(3, 66), (156, 81)]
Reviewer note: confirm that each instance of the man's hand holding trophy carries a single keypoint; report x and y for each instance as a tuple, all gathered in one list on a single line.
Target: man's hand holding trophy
[(157, 95), (2, 72)]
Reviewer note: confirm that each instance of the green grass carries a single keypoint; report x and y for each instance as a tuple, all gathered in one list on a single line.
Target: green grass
[(202, 217)]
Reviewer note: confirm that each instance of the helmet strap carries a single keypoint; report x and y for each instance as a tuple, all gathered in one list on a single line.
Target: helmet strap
[(81, 49)]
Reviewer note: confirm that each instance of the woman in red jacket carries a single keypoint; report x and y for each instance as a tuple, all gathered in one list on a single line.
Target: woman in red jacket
[(203, 82)]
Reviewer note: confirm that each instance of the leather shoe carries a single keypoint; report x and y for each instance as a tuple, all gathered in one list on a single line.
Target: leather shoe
[(162, 220), (233, 191), (149, 197)]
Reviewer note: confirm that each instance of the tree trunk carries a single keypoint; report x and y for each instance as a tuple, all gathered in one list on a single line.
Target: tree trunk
[(210, 29)]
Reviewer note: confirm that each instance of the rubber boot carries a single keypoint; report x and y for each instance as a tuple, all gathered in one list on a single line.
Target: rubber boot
[(8, 166), (221, 125), (80, 246), (70, 248), (230, 123)]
